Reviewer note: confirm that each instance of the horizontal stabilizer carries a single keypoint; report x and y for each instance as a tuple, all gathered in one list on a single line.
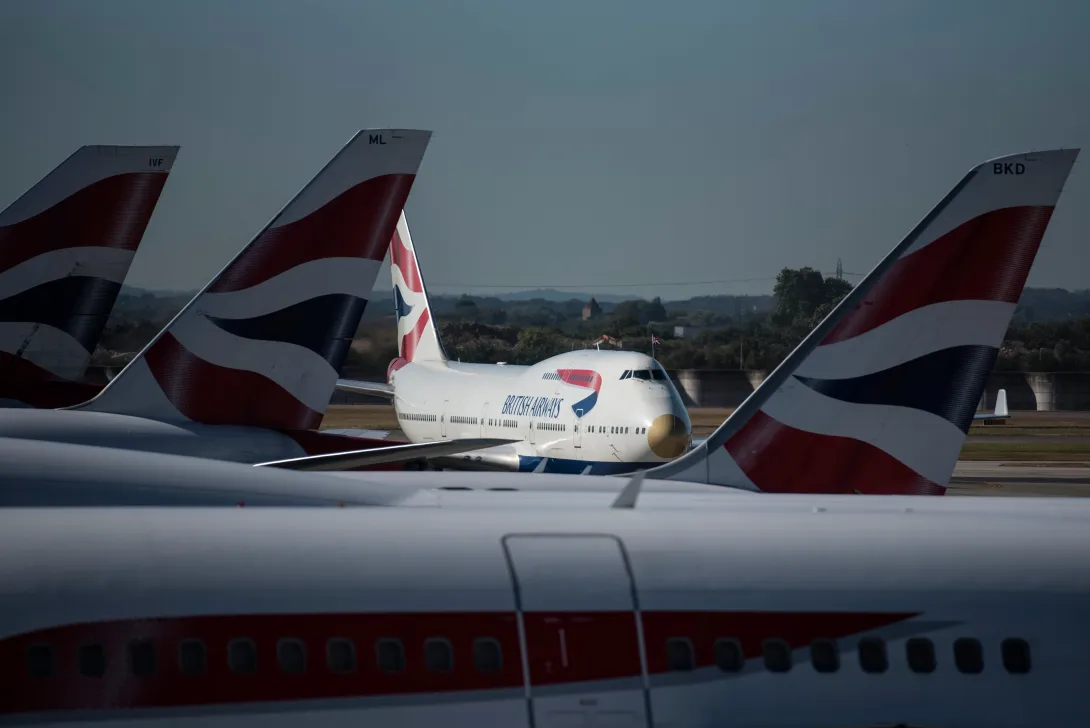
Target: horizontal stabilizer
[(374, 389), (383, 455)]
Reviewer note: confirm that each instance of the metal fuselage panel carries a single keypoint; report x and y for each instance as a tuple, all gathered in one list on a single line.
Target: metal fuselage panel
[(785, 573)]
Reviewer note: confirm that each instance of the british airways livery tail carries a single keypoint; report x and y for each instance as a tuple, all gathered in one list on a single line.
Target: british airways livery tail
[(880, 396), (262, 344), (245, 371), (65, 248)]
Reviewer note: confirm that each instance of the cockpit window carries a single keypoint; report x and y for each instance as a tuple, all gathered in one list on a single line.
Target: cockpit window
[(659, 375), (627, 374), (642, 374)]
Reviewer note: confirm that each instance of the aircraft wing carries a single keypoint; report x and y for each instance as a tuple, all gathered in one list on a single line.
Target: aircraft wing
[(363, 434), (402, 452), (374, 389)]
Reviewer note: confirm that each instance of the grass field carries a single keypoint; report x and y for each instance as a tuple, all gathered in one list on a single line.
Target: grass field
[(1047, 425)]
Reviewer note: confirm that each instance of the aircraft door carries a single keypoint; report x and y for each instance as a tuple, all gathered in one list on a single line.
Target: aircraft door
[(484, 414), (579, 631), (443, 419), (579, 428), (531, 432)]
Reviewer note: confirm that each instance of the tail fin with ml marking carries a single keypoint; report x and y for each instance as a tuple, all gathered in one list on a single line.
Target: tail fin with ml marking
[(879, 397), (65, 248), (262, 344)]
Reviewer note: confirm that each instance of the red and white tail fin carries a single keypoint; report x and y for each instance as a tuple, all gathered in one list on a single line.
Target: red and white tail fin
[(879, 397), (65, 247), (262, 344), (417, 337)]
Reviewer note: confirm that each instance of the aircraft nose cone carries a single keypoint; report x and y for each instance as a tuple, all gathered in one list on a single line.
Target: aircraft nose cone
[(668, 437)]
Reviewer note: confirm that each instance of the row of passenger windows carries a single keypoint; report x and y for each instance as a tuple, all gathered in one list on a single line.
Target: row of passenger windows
[(503, 423), (438, 656), (418, 416), (459, 420), (920, 655), (616, 430), (291, 657), (554, 426)]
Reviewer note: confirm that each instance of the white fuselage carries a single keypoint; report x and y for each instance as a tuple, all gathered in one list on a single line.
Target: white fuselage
[(128, 432), (774, 616), (574, 410)]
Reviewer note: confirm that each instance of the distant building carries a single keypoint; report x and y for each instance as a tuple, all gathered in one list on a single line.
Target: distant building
[(688, 332), (592, 310)]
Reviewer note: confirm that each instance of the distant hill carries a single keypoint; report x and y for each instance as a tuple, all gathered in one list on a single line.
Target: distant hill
[(1036, 304), (1050, 304), (552, 294)]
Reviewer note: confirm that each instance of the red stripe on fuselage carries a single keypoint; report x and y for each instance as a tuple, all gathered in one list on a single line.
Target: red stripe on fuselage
[(781, 459), (355, 224), (215, 395), (110, 213), (563, 648), (984, 259)]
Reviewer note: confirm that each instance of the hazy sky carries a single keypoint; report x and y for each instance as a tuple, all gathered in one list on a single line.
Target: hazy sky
[(586, 143)]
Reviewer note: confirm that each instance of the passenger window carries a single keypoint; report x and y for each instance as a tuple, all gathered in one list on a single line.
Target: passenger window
[(291, 656), (1016, 656), (438, 655), (777, 656), (192, 657), (142, 658), (679, 654), (390, 655), (872, 655), (968, 656), (728, 655), (92, 660), (824, 656), (920, 653), (242, 657), (39, 661), (487, 655), (340, 655)]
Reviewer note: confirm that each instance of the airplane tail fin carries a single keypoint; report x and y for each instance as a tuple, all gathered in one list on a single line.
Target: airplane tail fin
[(879, 397), (1001, 404), (261, 345), (65, 248), (417, 336)]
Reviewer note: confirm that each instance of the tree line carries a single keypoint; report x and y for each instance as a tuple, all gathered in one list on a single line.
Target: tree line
[(1050, 330)]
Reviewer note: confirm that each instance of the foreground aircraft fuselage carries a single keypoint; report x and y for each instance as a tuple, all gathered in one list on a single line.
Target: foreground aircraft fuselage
[(414, 617), (217, 442), (597, 412)]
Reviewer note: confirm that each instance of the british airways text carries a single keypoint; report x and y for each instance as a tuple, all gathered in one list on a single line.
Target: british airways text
[(519, 405)]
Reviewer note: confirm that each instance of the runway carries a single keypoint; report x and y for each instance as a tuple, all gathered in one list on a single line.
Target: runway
[(998, 478)]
